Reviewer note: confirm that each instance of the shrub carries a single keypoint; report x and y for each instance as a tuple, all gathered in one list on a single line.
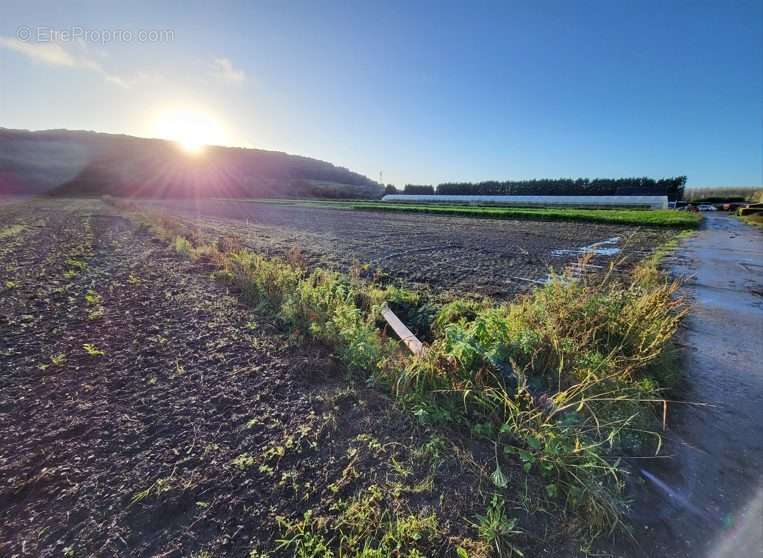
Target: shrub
[(263, 282), (454, 311), (323, 304), (182, 246)]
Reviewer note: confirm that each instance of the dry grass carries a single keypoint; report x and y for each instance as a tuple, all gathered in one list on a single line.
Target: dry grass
[(750, 194)]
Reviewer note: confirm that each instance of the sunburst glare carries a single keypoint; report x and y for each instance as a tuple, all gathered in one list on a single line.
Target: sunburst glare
[(191, 129)]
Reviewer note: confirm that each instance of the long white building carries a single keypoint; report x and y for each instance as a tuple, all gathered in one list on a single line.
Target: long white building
[(654, 202)]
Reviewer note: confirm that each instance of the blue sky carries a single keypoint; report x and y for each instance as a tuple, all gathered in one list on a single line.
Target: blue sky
[(424, 91)]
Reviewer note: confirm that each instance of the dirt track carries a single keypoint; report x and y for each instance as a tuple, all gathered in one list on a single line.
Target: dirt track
[(711, 503), (491, 257), (144, 411)]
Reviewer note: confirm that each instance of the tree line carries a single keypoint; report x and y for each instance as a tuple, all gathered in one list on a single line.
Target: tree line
[(672, 187)]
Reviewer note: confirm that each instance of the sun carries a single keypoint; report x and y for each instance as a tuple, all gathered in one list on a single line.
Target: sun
[(191, 146), (191, 129)]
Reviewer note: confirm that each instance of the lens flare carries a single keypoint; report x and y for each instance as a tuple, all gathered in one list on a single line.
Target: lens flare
[(191, 129)]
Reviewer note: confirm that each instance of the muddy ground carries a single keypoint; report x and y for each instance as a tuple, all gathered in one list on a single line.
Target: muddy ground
[(706, 498), (145, 412), (482, 256)]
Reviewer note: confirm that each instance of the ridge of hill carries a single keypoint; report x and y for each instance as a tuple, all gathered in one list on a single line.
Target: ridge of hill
[(70, 163)]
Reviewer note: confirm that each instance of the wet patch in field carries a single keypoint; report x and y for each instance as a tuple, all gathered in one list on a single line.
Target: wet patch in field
[(497, 258)]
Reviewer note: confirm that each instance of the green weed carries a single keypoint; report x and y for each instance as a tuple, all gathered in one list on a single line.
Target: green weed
[(11, 230), (59, 359), (92, 350), (495, 528), (76, 264), (183, 246), (363, 526), (244, 461), (432, 451), (156, 489), (93, 298)]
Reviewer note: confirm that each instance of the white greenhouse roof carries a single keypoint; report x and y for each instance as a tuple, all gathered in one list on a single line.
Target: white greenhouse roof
[(655, 202)]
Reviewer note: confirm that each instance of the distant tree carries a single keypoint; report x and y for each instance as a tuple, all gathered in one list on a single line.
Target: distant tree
[(415, 189), (390, 189), (637, 186), (676, 188)]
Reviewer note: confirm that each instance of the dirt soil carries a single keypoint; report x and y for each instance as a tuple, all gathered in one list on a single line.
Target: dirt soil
[(145, 412), (498, 258), (706, 500)]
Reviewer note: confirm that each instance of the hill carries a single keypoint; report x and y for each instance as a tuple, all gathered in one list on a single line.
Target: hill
[(63, 162)]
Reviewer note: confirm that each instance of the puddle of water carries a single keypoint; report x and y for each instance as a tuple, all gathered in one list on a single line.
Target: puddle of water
[(575, 270), (608, 247)]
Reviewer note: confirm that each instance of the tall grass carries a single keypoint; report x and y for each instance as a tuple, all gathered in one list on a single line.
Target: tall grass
[(750, 194), (754, 219), (565, 380)]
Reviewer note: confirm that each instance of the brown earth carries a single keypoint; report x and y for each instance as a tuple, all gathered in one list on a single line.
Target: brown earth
[(498, 258), (145, 412)]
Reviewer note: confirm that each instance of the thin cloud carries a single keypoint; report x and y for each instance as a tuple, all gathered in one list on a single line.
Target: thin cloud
[(224, 69), (54, 54), (49, 53)]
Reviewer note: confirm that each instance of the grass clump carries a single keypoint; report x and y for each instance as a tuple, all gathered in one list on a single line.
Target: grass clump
[(11, 230), (92, 350), (560, 379), (497, 529), (265, 283), (364, 526), (183, 246), (755, 219), (326, 306), (156, 489), (322, 305)]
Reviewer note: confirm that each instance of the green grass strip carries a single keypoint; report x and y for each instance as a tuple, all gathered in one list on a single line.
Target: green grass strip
[(652, 218), (645, 217)]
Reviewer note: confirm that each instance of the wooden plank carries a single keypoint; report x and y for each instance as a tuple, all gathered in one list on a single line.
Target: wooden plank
[(536, 281), (405, 334)]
